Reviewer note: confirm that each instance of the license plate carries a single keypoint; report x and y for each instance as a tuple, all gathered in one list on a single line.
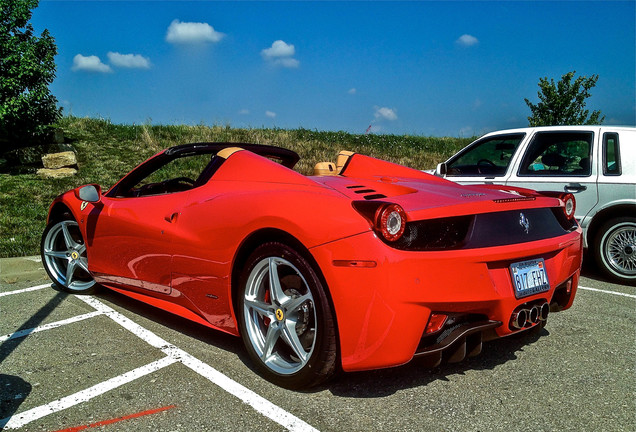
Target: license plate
[(529, 277)]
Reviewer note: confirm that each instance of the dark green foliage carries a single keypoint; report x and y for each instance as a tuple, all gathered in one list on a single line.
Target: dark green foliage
[(27, 67), (563, 103)]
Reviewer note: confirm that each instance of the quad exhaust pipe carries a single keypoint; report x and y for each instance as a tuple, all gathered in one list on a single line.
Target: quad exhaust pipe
[(528, 317), (519, 319)]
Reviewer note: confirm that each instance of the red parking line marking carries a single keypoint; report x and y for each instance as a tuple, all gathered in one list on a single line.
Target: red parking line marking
[(118, 419)]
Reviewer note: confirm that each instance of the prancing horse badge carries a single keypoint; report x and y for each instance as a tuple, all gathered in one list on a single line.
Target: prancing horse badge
[(524, 222)]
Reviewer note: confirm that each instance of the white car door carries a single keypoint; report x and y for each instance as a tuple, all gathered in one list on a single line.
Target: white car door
[(562, 161)]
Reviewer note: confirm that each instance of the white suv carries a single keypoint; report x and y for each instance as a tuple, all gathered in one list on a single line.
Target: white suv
[(595, 163)]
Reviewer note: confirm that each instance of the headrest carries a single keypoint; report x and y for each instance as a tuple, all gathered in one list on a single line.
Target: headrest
[(325, 168), (553, 160), (343, 157)]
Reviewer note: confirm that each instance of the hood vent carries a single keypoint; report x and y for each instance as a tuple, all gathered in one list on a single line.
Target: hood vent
[(368, 194)]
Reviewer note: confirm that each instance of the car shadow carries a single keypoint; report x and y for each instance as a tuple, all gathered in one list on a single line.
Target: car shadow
[(14, 389), (590, 270), (385, 382), (367, 384), (174, 322)]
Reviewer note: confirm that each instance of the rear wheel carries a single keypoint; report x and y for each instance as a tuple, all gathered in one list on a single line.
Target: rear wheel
[(615, 249), (64, 257), (285, 318)]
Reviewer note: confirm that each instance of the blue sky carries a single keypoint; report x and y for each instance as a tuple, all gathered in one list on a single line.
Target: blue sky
[(422, 68)]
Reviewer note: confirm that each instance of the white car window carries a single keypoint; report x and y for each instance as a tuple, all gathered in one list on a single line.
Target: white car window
[(611, 154), (558, 154)]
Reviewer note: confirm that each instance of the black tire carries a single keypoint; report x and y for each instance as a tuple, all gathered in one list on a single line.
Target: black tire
[(63, 254), (615, 249), (289, 331)]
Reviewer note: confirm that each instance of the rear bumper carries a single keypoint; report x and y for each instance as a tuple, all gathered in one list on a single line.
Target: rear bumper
[(382, 309), (463, 341)]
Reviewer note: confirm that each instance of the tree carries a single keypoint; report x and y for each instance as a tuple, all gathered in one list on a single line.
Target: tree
[(563, 103), (27, 67)]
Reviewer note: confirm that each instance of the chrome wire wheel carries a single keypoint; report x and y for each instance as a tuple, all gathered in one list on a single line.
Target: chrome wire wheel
[(64, 256), (279, 315), (619, 249)]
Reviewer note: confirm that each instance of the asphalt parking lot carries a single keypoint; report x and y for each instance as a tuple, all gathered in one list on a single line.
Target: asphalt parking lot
[(109, 363)]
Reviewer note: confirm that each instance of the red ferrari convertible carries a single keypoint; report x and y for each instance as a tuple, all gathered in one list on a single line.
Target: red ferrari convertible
[(364, 265)]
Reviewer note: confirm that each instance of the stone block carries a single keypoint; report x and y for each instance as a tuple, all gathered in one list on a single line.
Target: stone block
[(56, 173), (59, 160)]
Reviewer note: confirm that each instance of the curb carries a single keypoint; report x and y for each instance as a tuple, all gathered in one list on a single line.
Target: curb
[(21, 269)]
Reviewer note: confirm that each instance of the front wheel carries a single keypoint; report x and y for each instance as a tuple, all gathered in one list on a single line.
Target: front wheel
[(285, 318), (615, 249), (64, 257)]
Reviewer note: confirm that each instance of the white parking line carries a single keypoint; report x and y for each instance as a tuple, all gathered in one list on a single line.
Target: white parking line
[(35, 288), (26, 332), (173, 355), (257, 402), (608, 292), (28, 416)]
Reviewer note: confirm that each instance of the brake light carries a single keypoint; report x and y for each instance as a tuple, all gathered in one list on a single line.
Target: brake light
[(569, 205), (569, 202), (390, 221)]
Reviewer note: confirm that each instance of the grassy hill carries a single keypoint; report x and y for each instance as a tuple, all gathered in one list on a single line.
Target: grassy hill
[(107, 151)]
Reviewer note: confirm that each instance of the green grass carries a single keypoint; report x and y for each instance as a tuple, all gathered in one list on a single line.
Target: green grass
[(107, 151)]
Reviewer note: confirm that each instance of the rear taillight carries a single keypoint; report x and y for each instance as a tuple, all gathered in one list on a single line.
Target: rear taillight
[(569, 205), (569, 202), (390, 221)]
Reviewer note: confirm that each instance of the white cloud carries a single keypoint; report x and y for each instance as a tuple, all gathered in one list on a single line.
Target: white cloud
[(281, 54), (352, 91), (279, 49), (270, 114), (89, 64), (131, 61), (244, 112), (467, 40), (385, 113), (192, 33), (287, 62)]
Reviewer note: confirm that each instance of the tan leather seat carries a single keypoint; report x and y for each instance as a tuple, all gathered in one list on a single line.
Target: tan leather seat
[(343, 157), (325, 168), (329, 168)]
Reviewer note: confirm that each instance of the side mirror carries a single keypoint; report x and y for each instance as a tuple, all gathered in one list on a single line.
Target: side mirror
[(441, 169), (90, 193)]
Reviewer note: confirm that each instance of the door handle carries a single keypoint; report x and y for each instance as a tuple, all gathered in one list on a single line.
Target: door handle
[(172, 218), (574, 187)]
